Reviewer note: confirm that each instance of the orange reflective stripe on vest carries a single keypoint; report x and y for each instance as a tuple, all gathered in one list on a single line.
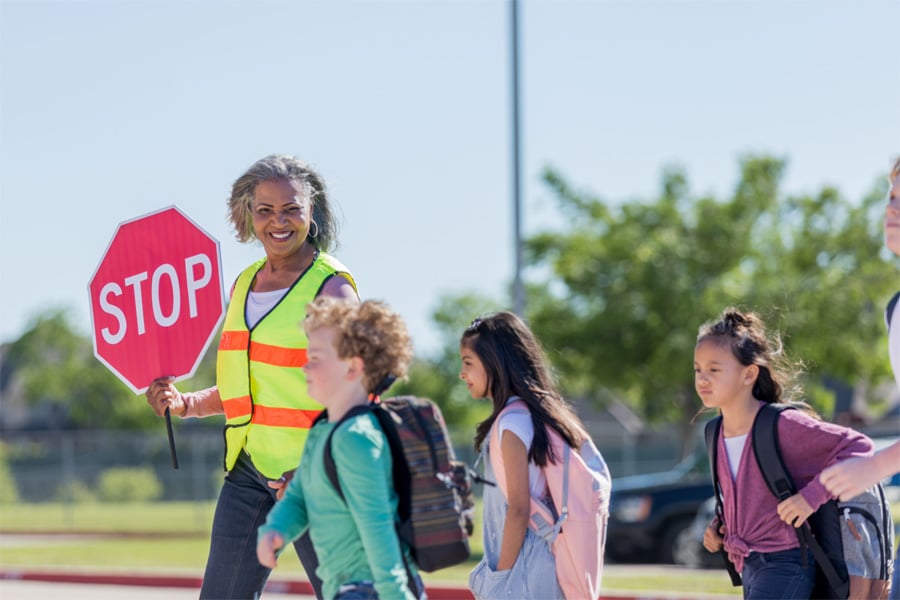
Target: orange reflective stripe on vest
[(237, 407), (283, 417), (269, 415), (277, 355), (234, 340), (264, 353)]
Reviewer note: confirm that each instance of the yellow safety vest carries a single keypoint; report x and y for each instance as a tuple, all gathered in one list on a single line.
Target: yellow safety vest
[(263, 389)]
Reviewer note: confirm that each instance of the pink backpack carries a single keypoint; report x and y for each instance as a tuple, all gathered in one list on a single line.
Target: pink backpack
[(579, 486)]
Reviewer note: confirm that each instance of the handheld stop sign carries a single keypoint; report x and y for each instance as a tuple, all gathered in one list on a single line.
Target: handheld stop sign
[(156, 300)]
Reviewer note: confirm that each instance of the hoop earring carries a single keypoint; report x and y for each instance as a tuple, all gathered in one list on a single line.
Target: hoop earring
[(311, 225)]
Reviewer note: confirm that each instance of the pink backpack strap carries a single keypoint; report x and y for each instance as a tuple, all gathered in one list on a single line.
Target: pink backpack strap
[(495, 456), (542, 519)]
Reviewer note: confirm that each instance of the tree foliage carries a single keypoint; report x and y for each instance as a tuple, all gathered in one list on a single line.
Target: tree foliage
[(629, 284), (61, 379)]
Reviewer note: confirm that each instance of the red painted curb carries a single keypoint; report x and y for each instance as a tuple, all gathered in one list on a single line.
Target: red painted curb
[(99, 579), (274, 586)]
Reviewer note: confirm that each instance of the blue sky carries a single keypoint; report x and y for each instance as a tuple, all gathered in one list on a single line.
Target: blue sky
[(110, 110)]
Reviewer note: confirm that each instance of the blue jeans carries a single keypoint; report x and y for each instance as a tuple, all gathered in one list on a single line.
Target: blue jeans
[(365, 590), (778, 575), (232, 569)]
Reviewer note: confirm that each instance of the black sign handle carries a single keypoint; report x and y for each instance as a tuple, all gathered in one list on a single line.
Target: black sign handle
[(171, 439)]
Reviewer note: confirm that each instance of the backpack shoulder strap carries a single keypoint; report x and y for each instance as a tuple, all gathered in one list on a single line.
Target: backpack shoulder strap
[(889, 311), (493, 443), (400, 468), (711, 432), (767, 451), (330, 467)]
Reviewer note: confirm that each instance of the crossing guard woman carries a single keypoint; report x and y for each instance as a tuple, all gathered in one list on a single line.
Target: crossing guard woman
[(260, 386)]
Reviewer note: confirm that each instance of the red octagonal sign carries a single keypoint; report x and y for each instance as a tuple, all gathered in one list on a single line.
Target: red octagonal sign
[(156, 298)]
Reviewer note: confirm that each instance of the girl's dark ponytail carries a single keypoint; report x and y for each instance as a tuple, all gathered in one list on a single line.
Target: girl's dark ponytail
[(766, 388)]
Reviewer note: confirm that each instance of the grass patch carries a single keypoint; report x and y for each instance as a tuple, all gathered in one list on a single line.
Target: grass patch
[(130, 517), (132, 553), (675, 580), (139, 535)]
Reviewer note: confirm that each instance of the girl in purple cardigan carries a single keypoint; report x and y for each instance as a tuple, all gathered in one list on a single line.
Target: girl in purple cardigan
[(738, 367)]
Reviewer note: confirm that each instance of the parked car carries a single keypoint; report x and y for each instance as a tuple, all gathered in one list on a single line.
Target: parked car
[(651, 515), (695, 553)]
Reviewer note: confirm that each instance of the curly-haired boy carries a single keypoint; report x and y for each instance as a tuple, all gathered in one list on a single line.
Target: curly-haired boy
[(352, 348)]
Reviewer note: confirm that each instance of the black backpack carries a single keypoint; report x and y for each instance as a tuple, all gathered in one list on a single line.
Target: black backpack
[(830, 527), (434, 490)]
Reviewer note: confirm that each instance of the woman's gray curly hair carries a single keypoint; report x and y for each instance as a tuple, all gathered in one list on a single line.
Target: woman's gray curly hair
[(289, 168)]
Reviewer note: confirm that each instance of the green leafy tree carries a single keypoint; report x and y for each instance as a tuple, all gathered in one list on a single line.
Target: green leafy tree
[(629, 284), (58, 371), (828, 272)]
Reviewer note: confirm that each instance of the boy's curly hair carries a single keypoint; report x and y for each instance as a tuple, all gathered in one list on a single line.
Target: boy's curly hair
[(370, 330)]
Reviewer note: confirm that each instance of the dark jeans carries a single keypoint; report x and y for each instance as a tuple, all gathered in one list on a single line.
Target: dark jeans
[(232, 570), (365, 590), (778, 575)]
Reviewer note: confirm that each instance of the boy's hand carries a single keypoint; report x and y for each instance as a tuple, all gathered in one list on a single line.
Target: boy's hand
[(713, 537), (267, 547), (850, 477), (794, 511)]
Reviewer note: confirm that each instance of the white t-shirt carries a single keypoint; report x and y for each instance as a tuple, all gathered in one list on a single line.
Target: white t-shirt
[(260, 303), (734, 448), (520, 425), (894, 342)]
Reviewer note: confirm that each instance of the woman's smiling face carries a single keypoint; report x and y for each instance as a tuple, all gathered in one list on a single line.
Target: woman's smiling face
[(282, 212)]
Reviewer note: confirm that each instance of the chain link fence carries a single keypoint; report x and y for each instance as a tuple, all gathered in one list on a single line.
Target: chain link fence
[(71, 466)]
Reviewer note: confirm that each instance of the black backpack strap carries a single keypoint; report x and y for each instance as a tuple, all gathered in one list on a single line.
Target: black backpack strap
[(767, 451), (889, 311), (401, 474), (711, 431), (330, 467)]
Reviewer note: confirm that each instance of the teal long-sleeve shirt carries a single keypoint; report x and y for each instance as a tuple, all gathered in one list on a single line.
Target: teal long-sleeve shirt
[(354, 540)]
